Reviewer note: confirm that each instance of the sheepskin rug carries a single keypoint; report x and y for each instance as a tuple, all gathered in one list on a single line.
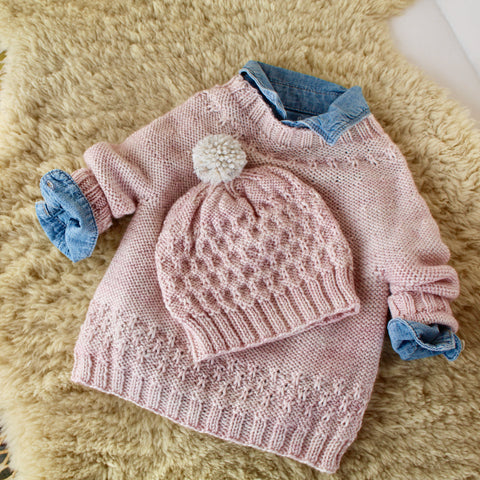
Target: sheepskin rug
[(81, 71)]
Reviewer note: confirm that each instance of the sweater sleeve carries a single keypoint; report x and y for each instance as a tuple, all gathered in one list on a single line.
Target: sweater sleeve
[(115, 181), (116, 178), (80, 206), (414, 259)]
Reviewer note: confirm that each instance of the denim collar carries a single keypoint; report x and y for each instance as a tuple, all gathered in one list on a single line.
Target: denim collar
[(304, 101)]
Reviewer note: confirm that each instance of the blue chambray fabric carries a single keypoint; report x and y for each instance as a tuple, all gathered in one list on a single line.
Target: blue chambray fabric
[(413, 340), (66, 216), (300, 101), (304, 101)]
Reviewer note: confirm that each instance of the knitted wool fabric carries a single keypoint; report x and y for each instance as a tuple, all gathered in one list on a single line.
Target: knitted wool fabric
[(253, 260), (303, 396)]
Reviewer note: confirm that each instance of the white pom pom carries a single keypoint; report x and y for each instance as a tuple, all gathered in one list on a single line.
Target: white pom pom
[(218, 158)]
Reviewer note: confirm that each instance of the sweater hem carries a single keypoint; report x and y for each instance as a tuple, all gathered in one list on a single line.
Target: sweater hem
[(319, 444)]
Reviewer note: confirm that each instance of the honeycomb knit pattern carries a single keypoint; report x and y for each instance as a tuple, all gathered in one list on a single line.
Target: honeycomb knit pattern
[(253, 260), (303, 396)]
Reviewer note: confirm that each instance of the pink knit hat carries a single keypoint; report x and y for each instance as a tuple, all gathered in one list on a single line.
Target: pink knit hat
[(250, 256)]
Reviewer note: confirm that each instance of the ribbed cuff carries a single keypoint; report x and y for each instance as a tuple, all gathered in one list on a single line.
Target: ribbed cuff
[(327, 299), (422, 307), (90, 187)]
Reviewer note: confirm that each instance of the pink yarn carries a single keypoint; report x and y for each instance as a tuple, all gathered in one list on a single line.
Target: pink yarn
[(302, 396), (253, 260)]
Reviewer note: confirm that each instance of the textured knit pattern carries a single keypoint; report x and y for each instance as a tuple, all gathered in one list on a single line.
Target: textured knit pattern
[(253, 260), (303, 396)]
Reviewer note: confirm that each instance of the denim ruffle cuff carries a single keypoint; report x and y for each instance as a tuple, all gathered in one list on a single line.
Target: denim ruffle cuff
[(413, 340), (66, 216)]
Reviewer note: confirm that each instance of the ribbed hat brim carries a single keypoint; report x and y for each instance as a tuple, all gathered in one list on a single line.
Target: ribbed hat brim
[(328, 298)]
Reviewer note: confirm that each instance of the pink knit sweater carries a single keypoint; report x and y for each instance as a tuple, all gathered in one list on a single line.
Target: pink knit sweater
[(302, 396)]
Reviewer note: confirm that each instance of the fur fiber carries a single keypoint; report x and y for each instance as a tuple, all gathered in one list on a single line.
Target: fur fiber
[(79, 72)]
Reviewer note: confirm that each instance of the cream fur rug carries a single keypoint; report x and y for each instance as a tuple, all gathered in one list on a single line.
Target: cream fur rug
[(78, 72)]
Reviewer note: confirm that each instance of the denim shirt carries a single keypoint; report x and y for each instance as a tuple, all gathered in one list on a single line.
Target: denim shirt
[(304, 101), (298, 100)]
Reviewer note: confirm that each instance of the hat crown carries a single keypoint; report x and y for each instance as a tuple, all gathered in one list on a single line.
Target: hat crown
[(218, 158)]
